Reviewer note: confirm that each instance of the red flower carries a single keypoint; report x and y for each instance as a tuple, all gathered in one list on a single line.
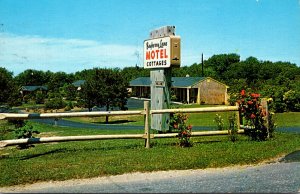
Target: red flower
[(252, 116), (243, 93), (250, 102), (189, 127), (254, 95)]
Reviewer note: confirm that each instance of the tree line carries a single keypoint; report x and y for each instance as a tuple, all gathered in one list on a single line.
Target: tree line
[(277, 80)]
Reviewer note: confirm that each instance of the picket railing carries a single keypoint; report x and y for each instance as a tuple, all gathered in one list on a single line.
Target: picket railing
[(146, 135)]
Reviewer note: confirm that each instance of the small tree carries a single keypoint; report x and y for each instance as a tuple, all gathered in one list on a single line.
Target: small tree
[(105, 88)]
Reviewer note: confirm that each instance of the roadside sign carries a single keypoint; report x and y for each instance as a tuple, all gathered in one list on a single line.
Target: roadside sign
[(157, 53)]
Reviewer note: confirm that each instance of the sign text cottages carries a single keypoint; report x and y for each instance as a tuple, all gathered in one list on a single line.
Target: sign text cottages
[(162, 52)]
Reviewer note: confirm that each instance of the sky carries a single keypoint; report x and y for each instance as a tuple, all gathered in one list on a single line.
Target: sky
[(73, 35)]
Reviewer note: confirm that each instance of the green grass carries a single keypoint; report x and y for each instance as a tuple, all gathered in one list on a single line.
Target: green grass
[(68, 160), (136, 120), (287, 119)]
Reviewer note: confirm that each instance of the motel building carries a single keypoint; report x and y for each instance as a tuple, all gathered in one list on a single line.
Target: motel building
[(200, 90)]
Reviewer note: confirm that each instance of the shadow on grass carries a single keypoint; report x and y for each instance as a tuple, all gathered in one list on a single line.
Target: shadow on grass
[(74, 150), (60, 150)]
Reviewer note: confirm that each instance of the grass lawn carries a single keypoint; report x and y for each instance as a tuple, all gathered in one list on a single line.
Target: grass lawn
[(62, 161), (288, 119)]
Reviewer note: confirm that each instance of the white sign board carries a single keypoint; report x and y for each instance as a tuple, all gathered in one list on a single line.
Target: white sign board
[(157, 53)]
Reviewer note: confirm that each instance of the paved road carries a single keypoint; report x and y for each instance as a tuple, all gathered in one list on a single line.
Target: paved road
[(273, 178), (66, 123)]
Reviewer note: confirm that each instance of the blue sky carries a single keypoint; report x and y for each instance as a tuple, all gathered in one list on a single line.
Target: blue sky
[(72, 35)]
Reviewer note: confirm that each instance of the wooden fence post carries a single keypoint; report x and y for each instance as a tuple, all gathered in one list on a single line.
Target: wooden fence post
[(238, 122), (264, 104), (147, 128)]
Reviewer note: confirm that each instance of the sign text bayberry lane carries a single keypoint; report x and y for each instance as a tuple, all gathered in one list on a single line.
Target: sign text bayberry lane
[(157, 53)]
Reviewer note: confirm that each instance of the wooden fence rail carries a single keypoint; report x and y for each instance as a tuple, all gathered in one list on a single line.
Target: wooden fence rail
[(69, 114), (146, 135)]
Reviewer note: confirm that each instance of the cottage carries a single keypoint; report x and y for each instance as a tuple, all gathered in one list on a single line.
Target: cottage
[(29, 91), (200, 90), (25, 90)]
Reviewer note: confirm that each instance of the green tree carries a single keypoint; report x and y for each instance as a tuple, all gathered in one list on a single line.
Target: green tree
[(32, 77), (69, 91), (59, 79), (105, 87), (9, 92), (221, 63)]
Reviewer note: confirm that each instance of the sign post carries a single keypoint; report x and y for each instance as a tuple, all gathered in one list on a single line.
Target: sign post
[(161, 53)]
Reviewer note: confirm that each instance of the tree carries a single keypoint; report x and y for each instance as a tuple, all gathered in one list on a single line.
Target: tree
[(32, 77), (9, 92), (105, 87), (58, 80), (221, 63), (69, 91)]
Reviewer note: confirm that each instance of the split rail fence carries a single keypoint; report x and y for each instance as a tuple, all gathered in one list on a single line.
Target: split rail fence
[(146, 135)]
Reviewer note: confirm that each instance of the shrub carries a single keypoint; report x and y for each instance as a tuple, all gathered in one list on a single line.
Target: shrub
[(292, 100), (255, 116), (25, 131), (40, 97), (179, 123), (219, 121), (55, 102)]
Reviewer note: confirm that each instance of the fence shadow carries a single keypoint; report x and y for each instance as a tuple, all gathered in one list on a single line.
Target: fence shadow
[(60, 150)]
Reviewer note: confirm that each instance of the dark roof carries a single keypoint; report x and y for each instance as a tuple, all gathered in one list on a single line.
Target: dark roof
[(78, 83), (33, 88), (177, 82), (183, 82), (140, 81)]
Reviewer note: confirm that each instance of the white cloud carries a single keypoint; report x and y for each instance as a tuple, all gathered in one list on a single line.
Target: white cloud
[(18, 53)]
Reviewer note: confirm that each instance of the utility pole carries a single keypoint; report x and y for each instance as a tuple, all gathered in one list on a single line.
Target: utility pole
[(202, 65)]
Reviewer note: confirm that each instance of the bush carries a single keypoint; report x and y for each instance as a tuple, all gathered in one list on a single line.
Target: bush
[(23, 132), (278, 107), (179, 123), (69, 106), (255, 116), (292, 100), (55, 101), (39, 97), (219, 121)]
